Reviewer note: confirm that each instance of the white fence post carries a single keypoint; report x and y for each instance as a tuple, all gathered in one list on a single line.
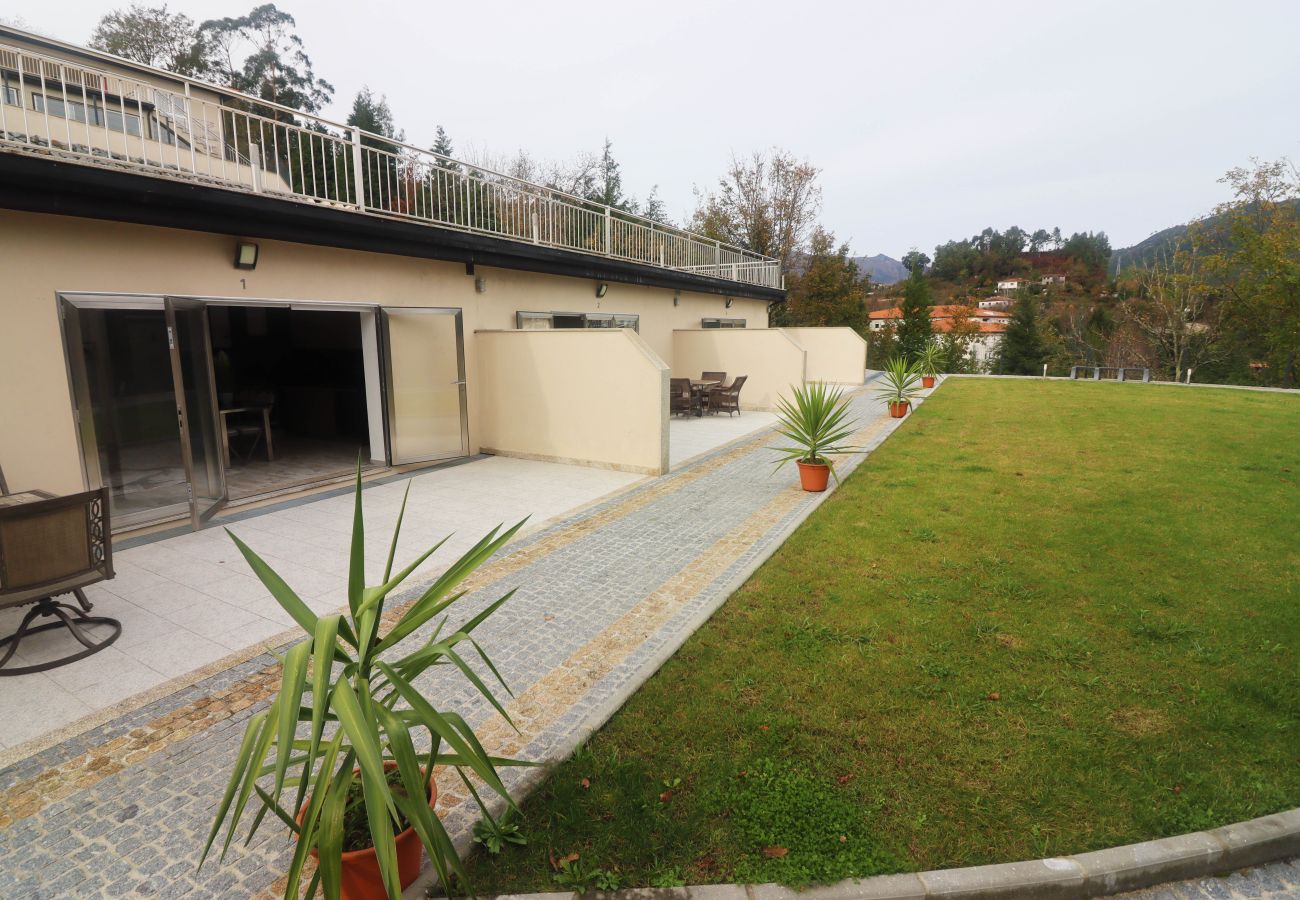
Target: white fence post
[(358, 177)]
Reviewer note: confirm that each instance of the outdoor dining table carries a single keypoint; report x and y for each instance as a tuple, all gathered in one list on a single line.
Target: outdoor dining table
[(699, 389)]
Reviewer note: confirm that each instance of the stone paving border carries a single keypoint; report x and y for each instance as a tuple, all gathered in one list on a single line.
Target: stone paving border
[(1085, 875)]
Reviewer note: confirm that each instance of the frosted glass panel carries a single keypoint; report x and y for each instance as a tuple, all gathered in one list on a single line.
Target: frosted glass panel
[(425, 397)]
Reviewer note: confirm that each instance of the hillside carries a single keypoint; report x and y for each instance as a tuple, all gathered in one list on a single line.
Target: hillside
[(881, 268), (1146, 251)]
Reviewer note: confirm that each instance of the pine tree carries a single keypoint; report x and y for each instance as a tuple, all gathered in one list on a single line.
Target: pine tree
[(609, 180), (914, 330), (1023, 348), (443, 147)]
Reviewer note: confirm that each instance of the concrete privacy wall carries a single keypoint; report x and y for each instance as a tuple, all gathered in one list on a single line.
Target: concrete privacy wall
[(595, 397), (772, 360), (837, 355)]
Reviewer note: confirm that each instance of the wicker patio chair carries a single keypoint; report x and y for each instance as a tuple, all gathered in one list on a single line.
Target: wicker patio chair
[(727, 399), (680, 396), (49, 547)]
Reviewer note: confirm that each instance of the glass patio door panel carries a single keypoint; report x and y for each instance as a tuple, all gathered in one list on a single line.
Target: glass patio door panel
[(426, 384), (125, 406), (196, 406)]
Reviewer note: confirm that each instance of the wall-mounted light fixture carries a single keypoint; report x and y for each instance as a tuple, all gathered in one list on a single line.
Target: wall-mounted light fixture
[(245, 255), (601, 290), (480, 285), (677, 298), (728, 303)]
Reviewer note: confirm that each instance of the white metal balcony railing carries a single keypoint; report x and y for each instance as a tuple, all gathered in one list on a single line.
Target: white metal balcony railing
[(233, 140)]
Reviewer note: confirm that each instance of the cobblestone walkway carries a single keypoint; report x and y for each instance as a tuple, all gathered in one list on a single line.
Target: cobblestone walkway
[(603, 597), (1272, 882)]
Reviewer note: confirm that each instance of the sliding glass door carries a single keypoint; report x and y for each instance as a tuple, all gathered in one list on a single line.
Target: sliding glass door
[(196, 406), (425, 369), (124, 405)]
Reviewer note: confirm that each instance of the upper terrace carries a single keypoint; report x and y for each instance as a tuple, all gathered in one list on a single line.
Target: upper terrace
[(114, 114)]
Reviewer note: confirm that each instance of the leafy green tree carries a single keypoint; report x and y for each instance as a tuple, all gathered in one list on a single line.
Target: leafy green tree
[(1091, 249), (154, 36), (1024, 349), (1260, 268), (914, 328), (882, 346), (767, 203), (826, 288), (276, 68), (915, 261)]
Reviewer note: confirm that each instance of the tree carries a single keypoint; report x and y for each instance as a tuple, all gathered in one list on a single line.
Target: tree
[(767, 203), (277, 68), (1260, 269), (1023, 349), (655, 209), (1038, 240), (608, 182), (1090, 249), (826, 288), (153, 36), (371, 113), (915, 329), (383, 181), (915, 261), (1174, 311), (443, 147), (956, 342)]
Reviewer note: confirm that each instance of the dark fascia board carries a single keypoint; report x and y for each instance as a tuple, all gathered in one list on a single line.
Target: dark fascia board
[(47, 185)]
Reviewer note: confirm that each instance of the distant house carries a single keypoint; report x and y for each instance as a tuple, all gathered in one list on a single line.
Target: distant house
[(1013, 283), (991, 325), (997, 302), (1054, 279)]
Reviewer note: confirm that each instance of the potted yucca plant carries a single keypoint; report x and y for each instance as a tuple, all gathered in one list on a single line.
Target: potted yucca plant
[(899, 384), (350, 784), (929, 361), (816, 421)]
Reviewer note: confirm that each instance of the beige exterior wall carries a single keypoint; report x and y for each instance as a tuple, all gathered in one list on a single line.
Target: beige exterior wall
[(770, 358), (836, 355), (46, 254), (595, 396)]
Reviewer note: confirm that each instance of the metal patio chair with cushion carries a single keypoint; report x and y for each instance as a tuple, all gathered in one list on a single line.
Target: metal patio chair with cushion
[(51, 546), (680, 396), (727, 399)]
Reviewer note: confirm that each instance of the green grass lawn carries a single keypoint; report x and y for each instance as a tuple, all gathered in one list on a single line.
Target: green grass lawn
[(1044, 618)]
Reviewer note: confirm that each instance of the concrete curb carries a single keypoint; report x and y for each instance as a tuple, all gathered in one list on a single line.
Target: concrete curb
[(1219, 851)]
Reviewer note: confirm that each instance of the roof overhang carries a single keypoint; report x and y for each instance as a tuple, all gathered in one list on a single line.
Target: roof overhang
[(45, 185)]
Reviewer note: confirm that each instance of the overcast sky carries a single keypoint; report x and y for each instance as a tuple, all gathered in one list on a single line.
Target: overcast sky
[(928, 120)]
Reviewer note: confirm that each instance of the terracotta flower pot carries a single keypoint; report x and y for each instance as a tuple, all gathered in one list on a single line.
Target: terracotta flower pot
[(927, 381), (898, 408), (360, 878), (814, 476)]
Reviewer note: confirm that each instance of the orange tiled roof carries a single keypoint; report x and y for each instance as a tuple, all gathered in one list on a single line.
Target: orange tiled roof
[(948, 311)]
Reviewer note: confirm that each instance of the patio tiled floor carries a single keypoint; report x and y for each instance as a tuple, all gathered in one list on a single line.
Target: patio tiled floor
[(604, 596), (689, 437), (189, 601)]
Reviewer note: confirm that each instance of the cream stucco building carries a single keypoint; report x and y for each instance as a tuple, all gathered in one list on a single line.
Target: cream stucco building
[(206, 298)]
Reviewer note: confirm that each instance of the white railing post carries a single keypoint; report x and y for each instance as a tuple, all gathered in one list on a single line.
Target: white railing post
[(358, 177), (255, 165), (608, 250)]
